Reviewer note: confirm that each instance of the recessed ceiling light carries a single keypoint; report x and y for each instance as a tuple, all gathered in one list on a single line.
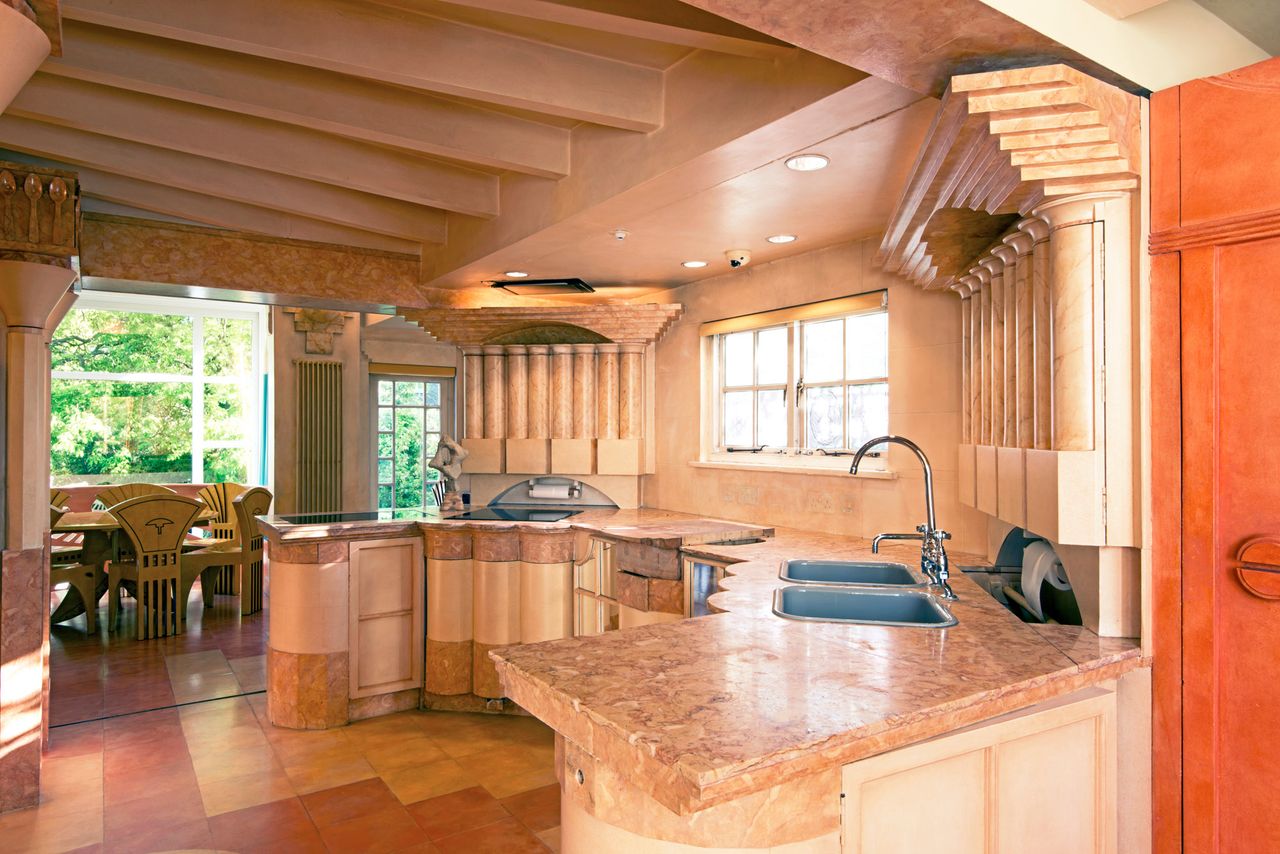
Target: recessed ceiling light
[(807, 162), (693, 265), (516, 274), (782, 238)]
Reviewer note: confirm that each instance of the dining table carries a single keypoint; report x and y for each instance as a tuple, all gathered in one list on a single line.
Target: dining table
[(101, 542)]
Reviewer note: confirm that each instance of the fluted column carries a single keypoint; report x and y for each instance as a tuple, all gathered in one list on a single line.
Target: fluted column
[(539, 391), (984, 354), (562, 391), (966, 365), (995, 266), (473, 393), (1041, 334), (495, 392), (974, 402), (607, 391), (1009, 392), (631, 391), (517, 391), (1023, 387), (584, 391), (1072, 264)]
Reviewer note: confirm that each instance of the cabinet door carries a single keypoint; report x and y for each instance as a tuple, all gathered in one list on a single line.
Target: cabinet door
[(386, 609)]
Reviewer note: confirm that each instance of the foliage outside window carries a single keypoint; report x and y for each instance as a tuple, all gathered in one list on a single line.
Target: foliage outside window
[(409, 416), (803, 385), (159, 390)]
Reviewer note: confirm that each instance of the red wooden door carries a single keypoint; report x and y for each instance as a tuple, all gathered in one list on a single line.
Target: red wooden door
[(1216, 479)]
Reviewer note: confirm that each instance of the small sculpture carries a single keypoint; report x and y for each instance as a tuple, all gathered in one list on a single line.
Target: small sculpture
[(448, 461)]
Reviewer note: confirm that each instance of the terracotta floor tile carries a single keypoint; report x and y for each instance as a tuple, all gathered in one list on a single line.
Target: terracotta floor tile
[(456, 812), (235, 793), (419, 782), (510, 770), (209, 661), (205, 686), (41, 832), (551, 838), (537, 809), (330, 806), (138, 816), (504, 837), (450, 722), (418, 750), (470, 740), (143, 782), (70, 773), (262, 825), (235, 762), (314, 776), (386, 830), (162, 837), (215, 740), (165, 751)]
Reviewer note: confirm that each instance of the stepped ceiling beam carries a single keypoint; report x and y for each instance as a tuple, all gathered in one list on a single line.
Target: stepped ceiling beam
[(339, 205), (255, 143), (319, 100), (417, 52)]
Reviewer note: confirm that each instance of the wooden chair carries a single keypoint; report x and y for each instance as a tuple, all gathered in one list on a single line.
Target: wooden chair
[(244, 554), (222, 530), (113, 495), (58, 497), (67, 569), (155, 526)]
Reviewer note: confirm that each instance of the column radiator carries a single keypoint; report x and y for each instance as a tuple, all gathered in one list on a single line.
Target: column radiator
[(319, 467)]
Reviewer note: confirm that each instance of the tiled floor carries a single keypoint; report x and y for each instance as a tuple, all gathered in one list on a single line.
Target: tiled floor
[(216, 775), (221, 654)]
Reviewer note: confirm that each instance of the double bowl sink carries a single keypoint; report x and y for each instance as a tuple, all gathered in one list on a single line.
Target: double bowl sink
[(851, 591)]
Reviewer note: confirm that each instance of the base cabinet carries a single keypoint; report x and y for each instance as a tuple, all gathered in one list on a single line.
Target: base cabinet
[(1042, 779), (386, 612)]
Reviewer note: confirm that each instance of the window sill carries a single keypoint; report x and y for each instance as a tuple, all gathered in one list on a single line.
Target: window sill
[(796, 466)]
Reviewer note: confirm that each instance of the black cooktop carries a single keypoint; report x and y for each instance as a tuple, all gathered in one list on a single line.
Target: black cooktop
[(403, 513), (515, 513)]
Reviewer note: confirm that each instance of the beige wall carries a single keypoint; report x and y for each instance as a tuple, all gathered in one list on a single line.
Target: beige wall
[(924, 405)]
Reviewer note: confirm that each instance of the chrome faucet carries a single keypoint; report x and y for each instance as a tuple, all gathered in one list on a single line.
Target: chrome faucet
[(933, 552)]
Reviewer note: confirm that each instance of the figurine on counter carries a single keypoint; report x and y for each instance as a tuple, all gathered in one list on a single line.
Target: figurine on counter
[(448, 461)]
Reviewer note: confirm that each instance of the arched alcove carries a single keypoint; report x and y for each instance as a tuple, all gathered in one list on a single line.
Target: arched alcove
[(548, 333)]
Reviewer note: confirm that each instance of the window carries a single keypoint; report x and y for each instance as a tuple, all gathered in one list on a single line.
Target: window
[(158, 389), (410, 413), (813, 378)]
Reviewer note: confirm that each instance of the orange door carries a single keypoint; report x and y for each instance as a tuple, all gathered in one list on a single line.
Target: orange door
[(1216, 383)]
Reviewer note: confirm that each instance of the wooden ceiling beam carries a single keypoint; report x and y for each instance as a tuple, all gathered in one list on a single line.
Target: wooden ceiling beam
[(320, 100), (337, 205), (670, 23), (255, 143), (415, 51)]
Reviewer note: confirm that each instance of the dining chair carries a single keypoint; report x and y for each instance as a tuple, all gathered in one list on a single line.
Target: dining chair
[(112, 495), (58, 497), (66, 568), (155, 526), (243, 554), (222, 529)]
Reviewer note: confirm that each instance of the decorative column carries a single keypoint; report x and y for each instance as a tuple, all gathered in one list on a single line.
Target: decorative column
[(966, 366), (562, 391), (995, 266), (25, 47), (539, 391), (984, 355), (473, 395), (974, 402), (40, 234), (584, 391), (631, 391), (607, 391), (1023, 379), (495, 392), (517, 391), (1041, 334), (1072, 263), (1009, 392)]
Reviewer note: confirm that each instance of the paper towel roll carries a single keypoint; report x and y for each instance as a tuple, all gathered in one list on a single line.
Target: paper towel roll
[(550, 491), (1040, 564)]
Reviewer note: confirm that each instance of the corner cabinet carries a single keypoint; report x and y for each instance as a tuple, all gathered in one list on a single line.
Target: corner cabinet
[(1042, 779), (386, 616)]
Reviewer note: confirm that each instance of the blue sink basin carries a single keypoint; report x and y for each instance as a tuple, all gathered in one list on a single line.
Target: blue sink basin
[(873, 607), (847, 572)]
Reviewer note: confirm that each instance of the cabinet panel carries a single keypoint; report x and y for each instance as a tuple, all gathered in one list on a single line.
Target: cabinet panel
[(386, 616), (954, 790), (1048, 791)]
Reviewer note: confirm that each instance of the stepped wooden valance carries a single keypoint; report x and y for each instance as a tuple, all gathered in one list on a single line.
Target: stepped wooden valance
[(1003, 143), (622, 324)]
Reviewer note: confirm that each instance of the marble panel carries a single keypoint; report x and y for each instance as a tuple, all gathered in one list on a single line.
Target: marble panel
[(666, 597), (495, 393), (573, 456), (383, 704), (561, 391), (528, 456), (484, 674), (550, 547), (448, 667), (448, 545), (495, 545), (517, 391), (307, 691), (630, 590), (485, 456)]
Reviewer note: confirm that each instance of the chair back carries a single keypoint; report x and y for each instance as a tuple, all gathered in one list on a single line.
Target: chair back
[(248, 504), (113, 495), (56, 512), (58, 497), (218, 497), (156, 525)]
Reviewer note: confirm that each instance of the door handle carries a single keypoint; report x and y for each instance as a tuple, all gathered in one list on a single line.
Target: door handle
[(1259, 562)]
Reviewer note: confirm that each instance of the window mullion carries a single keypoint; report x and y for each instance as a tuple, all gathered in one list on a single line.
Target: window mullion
[(197, 399)]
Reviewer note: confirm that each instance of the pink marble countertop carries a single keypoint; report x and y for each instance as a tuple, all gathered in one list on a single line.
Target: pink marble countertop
[(703, 711)]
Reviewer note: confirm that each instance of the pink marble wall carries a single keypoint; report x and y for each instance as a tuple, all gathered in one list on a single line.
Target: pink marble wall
[(23, 651)]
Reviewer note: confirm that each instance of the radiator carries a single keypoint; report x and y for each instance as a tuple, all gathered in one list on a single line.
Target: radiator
[(319, 467)]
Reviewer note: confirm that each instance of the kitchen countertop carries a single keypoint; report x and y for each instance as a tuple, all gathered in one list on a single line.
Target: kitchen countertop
[(703, 711)]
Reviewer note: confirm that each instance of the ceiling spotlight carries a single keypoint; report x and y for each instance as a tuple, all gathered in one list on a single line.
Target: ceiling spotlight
[(620, 234), (516, 274), (782, 238), (693, 265), (807, 162)]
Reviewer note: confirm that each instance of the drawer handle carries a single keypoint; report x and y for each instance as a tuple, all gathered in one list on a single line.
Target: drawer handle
[(1258, 556)]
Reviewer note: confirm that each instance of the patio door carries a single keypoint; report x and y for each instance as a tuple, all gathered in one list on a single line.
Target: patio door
[(410, 413)]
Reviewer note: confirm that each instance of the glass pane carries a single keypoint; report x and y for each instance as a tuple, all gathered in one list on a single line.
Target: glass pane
[(385, 392), (226, 464), (823, 351), (408, 458), (107, 432), (867, 353), (737, 419), (228, 347), (433, 443), (738, 368), (771, 418), (824, 417), (771, 356), (868, 412), (433, 419), (226, 412), (385, 497), (433, 394), (385, 417), (386, 448), (408, 394), (122, 342), (386, 471)]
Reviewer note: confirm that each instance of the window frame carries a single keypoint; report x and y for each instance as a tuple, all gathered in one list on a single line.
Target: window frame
[(447, 425)]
